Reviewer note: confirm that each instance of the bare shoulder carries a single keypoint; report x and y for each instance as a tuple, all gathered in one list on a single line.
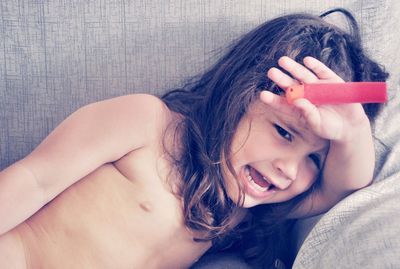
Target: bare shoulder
[(144, 115), (145, 105), (139, 101), (151, 111)]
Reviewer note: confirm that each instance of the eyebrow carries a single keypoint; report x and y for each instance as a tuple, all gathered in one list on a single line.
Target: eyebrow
[(299, 134), (295, 131)]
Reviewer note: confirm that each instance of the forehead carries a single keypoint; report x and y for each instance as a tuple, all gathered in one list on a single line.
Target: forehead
[(291, 120)]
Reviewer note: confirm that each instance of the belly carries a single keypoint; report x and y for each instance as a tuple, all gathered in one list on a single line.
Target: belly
[(108, 221)]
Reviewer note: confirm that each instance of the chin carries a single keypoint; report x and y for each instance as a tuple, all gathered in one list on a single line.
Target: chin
[(252, 202)]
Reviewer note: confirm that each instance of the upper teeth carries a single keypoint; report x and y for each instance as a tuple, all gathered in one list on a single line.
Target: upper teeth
[(254, 184), (250, 178)]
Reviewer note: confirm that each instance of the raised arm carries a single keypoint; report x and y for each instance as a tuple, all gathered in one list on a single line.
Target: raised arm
[(350, 162), (349, 166), (93, 135)]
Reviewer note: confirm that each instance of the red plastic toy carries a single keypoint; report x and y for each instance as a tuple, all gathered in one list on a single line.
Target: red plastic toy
[(338, 93)]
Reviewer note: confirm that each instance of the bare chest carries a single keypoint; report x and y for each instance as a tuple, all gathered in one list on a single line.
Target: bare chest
[(123, 215)]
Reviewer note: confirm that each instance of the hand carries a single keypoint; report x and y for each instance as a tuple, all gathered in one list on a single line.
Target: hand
[(333, 122)]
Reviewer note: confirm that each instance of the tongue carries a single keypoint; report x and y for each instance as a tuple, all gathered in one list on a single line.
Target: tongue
[(258, 178)]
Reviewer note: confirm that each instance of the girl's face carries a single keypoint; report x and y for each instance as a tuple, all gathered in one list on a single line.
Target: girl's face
[(274, 157)]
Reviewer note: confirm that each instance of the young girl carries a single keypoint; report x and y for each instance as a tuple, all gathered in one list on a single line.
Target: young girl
[(144, 182)]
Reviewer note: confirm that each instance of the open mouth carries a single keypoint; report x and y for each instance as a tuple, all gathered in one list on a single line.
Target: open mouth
[(257, 180)]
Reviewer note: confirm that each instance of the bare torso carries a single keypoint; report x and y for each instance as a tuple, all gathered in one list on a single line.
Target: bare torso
[(122, 215)]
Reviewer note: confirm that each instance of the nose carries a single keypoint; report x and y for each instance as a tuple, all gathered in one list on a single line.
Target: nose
[(286, 169)]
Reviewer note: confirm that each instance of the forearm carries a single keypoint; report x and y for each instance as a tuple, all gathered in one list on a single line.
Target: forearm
[(349, 167), (350, 163), (20, 196)]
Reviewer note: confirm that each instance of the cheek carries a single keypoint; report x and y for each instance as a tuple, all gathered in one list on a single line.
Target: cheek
[(304, 181)]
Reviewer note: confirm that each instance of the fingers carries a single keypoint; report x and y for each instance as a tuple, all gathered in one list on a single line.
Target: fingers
[(281, 79), (321, 70), (313, 71), (298, 71), (302, 110), (272, 99), (278, 103), (310, 113)]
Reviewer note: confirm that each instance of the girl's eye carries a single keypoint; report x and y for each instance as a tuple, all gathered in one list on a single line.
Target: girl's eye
[(283, 133), (316, 160)]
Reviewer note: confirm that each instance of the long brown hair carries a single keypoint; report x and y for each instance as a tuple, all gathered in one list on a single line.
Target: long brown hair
[(213, 104)]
